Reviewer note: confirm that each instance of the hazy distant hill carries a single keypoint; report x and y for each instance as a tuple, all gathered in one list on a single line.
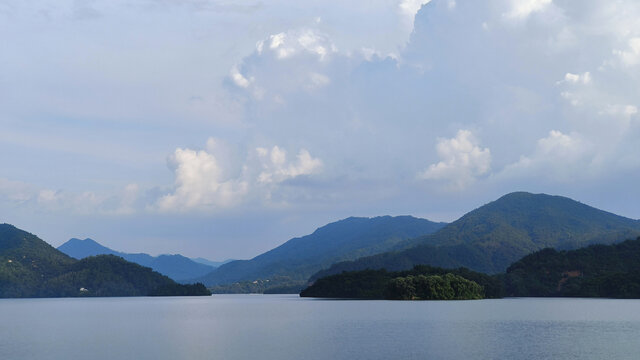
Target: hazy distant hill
[(214, 264), (29, 267), (291, 263), (177, 267), (493, 236)]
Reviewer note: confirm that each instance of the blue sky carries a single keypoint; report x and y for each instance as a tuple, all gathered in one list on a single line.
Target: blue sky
[(223, 128)]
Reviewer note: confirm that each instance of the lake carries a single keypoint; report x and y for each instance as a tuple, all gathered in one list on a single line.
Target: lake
[(288, 327)]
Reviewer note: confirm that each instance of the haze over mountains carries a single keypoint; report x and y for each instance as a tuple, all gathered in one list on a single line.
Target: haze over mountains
[(493, 236), (293, 262), (177, 267)]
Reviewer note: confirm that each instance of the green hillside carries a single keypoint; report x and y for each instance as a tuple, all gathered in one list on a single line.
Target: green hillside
[(29, 267), (594, 271), (290, 265), (493, 236)]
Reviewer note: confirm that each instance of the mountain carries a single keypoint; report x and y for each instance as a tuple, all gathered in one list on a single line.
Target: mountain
[(214, 264), (290, 264), (490, 238), (177, 267), (29, 267), (594, 271), (81, 249)]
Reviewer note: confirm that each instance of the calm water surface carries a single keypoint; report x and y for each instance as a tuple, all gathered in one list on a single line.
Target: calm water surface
[(287, 327)]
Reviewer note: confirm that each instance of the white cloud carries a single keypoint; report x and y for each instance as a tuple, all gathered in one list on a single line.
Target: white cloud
[(284, 45), (284, 63), (620, 110), (205, 181), (200, 183), (630, 56), (462, 161), (521, 9), (276, 168), (558, 157), (409, 9), (238, 79), (584, 78)]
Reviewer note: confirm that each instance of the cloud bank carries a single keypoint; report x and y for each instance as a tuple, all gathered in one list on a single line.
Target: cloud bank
[(320, 113)]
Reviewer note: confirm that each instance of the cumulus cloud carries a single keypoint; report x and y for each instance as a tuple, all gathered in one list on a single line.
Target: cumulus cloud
[(204, 179), (200, 183), (631, 55), (465, 60), (238, 78), (409, 9), (520, 9), (552, 84), (276, 168), (285, 63), (557, 157), (584, 78), (462, 161)]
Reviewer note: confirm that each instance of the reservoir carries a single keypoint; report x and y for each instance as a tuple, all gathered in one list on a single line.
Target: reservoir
[(289, 327)]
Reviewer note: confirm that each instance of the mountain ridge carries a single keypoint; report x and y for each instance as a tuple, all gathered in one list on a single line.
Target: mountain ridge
[(489, 238), (299, 257), (177, 267), (29, 267)]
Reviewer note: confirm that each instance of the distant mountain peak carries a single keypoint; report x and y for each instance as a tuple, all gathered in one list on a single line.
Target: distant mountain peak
[(494, 235), (175, 266)]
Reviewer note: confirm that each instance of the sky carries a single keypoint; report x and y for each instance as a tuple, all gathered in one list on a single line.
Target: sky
[(224, 128)]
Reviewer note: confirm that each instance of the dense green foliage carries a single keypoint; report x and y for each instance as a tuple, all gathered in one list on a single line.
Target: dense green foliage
[(299, 258), (177, 267), (594, 271), (421, 282), (103, 275), (197, 289), (275, 285), (433, 287), (29, 267), (493, 236)]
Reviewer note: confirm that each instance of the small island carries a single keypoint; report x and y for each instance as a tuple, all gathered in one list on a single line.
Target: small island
[(420, 283)]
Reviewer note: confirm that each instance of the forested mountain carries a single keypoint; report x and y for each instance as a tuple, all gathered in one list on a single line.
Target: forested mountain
[(29, 267), (493, 236), (594, 271), (177, 267), (291, 263)]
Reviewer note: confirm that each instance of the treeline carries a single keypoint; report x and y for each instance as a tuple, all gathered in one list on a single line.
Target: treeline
[(197, 289), (595, 271), (95, 276), (275, 285), (421, 282), (433, 287)]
